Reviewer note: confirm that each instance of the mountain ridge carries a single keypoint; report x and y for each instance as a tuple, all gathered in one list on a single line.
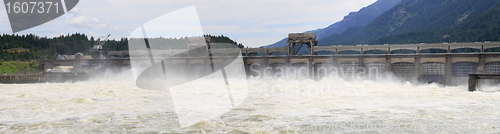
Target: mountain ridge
[(485, 27), (360, 18), (411, 16)]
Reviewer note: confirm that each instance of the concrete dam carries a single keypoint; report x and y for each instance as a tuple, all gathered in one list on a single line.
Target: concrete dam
[(449, 66), (446, 63)]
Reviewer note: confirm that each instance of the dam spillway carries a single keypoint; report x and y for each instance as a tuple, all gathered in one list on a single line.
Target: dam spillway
[(446, 63)]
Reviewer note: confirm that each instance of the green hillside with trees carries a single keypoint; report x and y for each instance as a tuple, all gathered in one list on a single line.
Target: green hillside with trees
[(486, 27), (48, 48), (32, 47), (21, 53), (224, 39)]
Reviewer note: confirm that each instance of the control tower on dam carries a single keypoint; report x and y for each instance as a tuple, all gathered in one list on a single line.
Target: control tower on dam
[(447, 63)]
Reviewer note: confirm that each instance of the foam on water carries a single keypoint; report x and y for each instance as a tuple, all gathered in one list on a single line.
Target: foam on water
[(113, 104)]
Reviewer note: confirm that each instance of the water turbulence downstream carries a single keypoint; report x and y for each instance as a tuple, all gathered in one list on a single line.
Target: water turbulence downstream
[(158, 49)]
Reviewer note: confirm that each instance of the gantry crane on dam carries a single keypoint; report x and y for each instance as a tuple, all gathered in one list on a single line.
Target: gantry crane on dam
[(98, 46)]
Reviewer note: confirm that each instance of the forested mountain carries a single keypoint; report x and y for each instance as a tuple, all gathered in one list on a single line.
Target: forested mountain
[(354, 19), (32, 47), (414, 21), (361, 18), (486, 27)]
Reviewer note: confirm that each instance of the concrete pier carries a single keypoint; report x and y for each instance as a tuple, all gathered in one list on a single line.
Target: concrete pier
[(24, 78), (473, 80), (42, 78)]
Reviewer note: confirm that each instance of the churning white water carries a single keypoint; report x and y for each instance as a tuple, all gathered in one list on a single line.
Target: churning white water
[(113, 104)]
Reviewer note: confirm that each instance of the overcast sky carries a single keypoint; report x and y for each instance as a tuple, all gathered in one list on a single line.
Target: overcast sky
[(251, 22)]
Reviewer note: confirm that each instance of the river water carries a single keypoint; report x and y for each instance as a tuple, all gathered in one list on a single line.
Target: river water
[(113, 104)]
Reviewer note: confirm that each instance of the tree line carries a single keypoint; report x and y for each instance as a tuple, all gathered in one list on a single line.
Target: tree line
[(36, 48)]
